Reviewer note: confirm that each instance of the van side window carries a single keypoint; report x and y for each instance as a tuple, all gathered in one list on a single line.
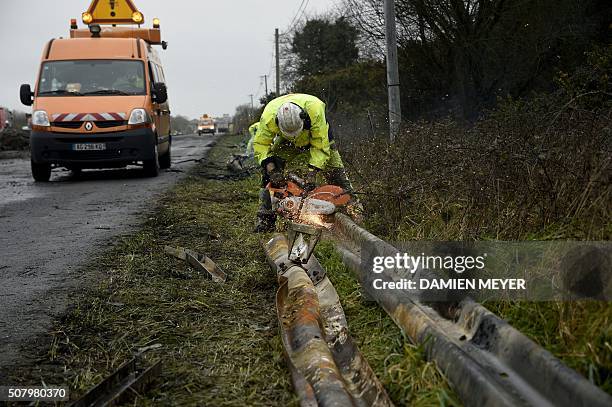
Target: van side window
[(160, 77), (153, 72), (161, 74)]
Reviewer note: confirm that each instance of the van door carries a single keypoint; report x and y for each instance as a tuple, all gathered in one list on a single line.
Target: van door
[(161, 111)]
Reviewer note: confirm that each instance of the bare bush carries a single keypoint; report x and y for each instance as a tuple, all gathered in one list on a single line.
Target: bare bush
[(539, 168), (506, 177)]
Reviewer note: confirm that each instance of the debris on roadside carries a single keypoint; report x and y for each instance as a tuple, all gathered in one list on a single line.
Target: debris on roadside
[(148, 348), (240, 163), (226, 177), (198, 261), (197, 160), (121, 386), (14, 140)]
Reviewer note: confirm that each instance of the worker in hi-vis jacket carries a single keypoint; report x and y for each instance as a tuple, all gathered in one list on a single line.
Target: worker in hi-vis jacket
[(293, 132)]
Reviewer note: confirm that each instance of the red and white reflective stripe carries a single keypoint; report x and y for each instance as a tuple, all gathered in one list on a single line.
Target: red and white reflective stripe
[(88, 117)]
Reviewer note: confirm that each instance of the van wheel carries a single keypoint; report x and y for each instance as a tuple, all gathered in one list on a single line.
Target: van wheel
[(165, 160), (41, 172), (151, 167)]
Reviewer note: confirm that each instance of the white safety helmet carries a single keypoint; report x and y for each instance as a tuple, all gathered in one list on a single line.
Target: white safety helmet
[(290, 120)]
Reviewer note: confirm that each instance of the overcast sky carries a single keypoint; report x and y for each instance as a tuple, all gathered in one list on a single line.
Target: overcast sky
[(217, 49)]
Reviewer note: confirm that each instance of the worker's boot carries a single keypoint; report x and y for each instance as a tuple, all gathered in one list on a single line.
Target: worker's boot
[(266, 218), (265, 224)]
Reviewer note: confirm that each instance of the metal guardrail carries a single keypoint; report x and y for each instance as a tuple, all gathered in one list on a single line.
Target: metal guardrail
[(487, 361), (121, 386), (326, 366)]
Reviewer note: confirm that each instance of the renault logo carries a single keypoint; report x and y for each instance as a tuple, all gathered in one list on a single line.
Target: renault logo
[(89, 126)]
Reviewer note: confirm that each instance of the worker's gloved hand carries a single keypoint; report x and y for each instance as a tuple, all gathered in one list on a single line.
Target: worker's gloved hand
[(270, 168), (272, 165), (277, 180)]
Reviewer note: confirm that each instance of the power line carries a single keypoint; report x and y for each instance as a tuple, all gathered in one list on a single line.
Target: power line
[(277, 60), (295, 18), (269, 75), (304, 10), (258, 93), (297, 13), (272, 60)]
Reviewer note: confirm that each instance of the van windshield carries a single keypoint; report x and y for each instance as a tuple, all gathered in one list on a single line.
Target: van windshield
[(92, 77)]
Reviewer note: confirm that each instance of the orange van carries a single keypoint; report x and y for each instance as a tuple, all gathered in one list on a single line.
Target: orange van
[(100, 101), (206, 124)]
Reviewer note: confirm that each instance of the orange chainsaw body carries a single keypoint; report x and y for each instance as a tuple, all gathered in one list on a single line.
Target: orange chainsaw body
[(330, 193)]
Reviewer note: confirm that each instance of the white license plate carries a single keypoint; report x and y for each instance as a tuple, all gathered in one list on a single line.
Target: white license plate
[(89, 147)]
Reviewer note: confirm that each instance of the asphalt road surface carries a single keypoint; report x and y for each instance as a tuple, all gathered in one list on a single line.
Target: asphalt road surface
[(49, 231)]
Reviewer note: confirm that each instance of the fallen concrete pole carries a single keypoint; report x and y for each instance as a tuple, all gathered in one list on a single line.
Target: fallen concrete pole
[(326, 366), (487, 361)]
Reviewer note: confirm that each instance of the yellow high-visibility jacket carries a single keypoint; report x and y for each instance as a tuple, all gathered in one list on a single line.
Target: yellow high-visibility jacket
[(317, 138), (252, 132), (253, 129)]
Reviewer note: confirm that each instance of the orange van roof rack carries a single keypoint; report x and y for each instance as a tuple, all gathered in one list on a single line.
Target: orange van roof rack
[(113, 13), (150, 35)]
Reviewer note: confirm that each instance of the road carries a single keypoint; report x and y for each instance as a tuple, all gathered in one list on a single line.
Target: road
[(49, 231)]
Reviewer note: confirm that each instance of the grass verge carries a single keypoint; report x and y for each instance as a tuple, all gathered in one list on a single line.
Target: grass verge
[(219, 342)]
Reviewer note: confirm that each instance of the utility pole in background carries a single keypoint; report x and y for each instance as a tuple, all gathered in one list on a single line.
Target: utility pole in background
[(265, 77), (395, 110), (252, 108), (277, 40)]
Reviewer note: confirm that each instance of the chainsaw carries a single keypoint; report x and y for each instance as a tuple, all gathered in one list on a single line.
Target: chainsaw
[(293, 201), (308, 212)]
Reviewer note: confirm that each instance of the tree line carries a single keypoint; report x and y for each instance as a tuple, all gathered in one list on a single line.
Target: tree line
[(456, 57)]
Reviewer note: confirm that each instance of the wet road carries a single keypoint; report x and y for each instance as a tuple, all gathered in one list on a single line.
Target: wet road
[(49, 231)]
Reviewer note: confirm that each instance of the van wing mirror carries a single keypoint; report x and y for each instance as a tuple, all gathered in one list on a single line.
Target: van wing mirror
[(160, 92), (26, 95)]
